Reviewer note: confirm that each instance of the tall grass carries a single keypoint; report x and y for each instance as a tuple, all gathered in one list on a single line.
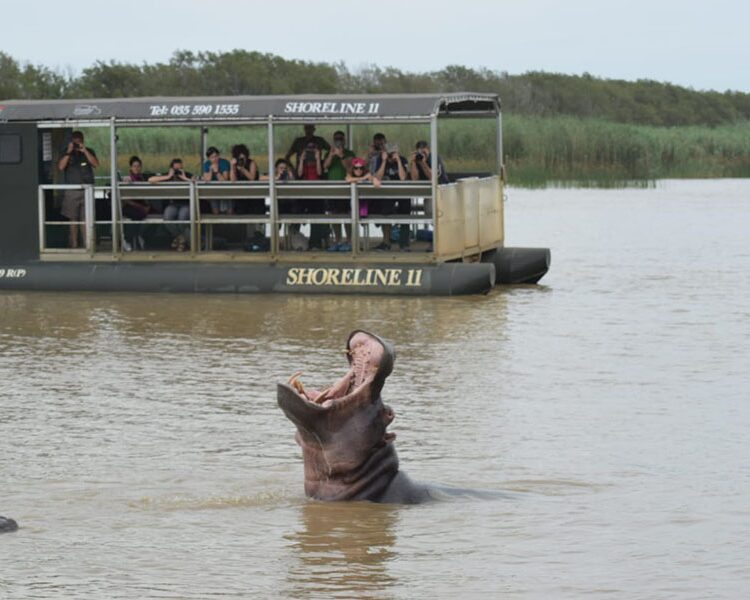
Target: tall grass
[(568, 148), (538, 150)]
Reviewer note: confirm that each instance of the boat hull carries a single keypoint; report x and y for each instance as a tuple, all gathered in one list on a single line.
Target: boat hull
[(519, 265), (442, 279)]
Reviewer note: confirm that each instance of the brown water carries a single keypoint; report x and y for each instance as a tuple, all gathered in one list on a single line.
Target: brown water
[(143, 454)]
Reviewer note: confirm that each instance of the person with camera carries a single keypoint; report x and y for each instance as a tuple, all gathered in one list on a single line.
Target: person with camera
[(281, 171), (77, 163), (244, 168), (176, 173), (391, 166), (310, 168), (337, 166), (420, 165), (300, 144), (176, 210), (376, 149), (338, 160)]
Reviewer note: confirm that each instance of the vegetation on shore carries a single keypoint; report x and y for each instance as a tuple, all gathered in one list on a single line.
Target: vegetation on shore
[(556, 127)]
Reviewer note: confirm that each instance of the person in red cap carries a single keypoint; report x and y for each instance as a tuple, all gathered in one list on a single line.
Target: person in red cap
[(360, 174)]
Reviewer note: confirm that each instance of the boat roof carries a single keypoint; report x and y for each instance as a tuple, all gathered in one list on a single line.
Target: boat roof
[(298, 108)]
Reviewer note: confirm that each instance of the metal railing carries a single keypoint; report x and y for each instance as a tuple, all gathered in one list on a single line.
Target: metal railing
[(466, 218), (87, 223), (273, 219)]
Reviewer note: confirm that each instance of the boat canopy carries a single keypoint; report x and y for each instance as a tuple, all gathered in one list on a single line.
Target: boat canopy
[(300, 108)]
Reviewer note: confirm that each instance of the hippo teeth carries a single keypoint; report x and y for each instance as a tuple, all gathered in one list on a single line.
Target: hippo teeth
[(323, 396), (312, 395), (294, 379), (295, 382)]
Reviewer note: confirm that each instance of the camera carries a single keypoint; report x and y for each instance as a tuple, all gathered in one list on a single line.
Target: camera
[(241, 162), (418, 156), (338, 143), (178, 172)]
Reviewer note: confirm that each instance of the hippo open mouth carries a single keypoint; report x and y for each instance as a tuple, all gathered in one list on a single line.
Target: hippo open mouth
[(347, 452), (370, 362)]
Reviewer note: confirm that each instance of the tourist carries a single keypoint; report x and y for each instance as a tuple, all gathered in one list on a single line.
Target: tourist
[(391, 166), (244, 168), (376, 149), (360, 174), (310, 165), (135, 210), (420, 165), (281, 171), (216, 168), (300, 144), (310, 168), (176, 210), (337, 166), (77, 163)]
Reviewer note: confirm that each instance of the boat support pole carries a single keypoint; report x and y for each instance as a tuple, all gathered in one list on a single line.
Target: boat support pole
[(89, 217), (195, 232), (435, 159), (354, 203), (42, 221), (499, 142), (204, 147), (501, 173), (118, 233), (274, 209)]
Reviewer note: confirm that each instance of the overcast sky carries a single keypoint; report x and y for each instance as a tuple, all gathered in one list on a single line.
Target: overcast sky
[(698, 43)]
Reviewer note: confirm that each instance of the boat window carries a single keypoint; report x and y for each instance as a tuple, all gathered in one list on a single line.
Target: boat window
[(10, 148)]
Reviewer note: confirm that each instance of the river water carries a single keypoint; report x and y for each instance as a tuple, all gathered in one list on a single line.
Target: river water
[(143, 454)]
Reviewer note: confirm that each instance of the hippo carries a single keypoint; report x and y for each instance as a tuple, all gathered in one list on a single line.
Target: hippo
[(347, 453), (7, 525)]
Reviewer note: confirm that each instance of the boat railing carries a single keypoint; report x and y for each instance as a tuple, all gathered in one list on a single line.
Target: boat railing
[(51, 197), (465, 219)]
